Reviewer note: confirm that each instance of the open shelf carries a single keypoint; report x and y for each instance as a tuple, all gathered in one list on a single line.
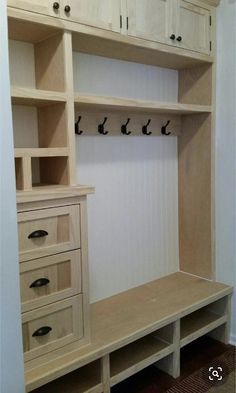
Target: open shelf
[(136, 356), (124, 104), (199, 323), (85, 380), (41, 152), (35, 97)]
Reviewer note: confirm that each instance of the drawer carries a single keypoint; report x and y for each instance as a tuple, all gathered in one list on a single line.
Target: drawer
[(49, 279), (51, 327), (48, 231)]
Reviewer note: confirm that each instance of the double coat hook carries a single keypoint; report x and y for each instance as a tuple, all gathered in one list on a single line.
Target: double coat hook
[(101, 129), (145, 128), (124, 128)]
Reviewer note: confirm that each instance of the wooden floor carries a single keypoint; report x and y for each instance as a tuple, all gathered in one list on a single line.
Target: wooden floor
[(129, 316)]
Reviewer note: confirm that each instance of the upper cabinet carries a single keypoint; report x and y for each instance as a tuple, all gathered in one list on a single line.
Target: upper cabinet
[(194, 24), (179, 23), (46, 7), (173, 22), (150, 19), (104, 14)]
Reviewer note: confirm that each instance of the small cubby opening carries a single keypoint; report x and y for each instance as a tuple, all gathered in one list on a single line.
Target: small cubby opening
[(201, 321), (38, 65), (86, 379), (19, 173), (40, 127), (141, 353), (49, 171)]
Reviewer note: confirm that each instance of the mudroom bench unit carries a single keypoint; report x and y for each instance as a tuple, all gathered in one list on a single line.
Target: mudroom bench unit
[(70, 344)]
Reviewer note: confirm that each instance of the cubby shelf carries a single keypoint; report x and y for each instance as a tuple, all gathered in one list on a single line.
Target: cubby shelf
[(136, 356), (124, 104), (41, 152), (35, 97), (198, 323)]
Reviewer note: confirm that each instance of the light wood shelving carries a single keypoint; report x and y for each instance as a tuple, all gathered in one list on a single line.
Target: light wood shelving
[(35, 97), (125, 104), (41, 152)]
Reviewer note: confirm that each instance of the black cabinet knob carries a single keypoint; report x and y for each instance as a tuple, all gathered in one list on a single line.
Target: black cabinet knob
[(56, 5), (179, 38), (37, 234), (42, 331), (172, 37), (67, 8), (41, 282)]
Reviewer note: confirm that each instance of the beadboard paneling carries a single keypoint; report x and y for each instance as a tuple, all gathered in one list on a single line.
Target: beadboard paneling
[(133, 215), (102, 76)]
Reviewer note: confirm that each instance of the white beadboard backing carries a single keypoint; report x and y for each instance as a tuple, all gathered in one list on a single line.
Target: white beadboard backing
[(103, 76), (133, 215), (21, 63)]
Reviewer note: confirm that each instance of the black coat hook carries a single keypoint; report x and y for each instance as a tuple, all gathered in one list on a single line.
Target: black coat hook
[(77, 130), (163, 129), (144, 129), (101, 127), (124, 128)]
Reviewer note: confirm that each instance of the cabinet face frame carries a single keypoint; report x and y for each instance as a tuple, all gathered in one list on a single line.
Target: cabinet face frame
[(81, 13)]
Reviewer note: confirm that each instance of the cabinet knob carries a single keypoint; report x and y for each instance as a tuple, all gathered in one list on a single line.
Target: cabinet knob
[(172, 37), (42, 331), (56, 5), (179, 38), (67, 8)]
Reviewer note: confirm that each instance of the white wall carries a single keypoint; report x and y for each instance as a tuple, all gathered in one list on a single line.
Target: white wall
[(226, 149), (133, 215), (11, 367)]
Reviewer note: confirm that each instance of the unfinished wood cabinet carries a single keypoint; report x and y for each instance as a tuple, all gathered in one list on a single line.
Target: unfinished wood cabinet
[(48, 231), (49, 279), (46, 7), (150, 19), (104, 14), (194, 27), (52, 326)]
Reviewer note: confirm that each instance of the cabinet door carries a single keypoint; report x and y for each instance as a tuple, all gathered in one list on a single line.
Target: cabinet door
[(150, 19), (104, 14), (46, 7), (194, 27)]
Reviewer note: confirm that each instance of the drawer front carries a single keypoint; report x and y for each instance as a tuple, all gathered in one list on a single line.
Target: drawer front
[(48, 231), (49, 279), (51, 327)]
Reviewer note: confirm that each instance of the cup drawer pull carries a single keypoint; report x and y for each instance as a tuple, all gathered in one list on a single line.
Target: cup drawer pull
[(37, 234), (40, 283), (42, 331)]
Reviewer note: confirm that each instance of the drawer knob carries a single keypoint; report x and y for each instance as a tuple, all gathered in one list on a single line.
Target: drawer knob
[(179, 38), (42, 331), (67, 8), (56, 5), (40, 283), (38, 233), (172, 37)]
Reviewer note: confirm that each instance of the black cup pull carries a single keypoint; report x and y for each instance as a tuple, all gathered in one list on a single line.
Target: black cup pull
[(179, 38), (37, 234), (67, 8), (56, 5), (42, 331), (172, 37), (41, 282)]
